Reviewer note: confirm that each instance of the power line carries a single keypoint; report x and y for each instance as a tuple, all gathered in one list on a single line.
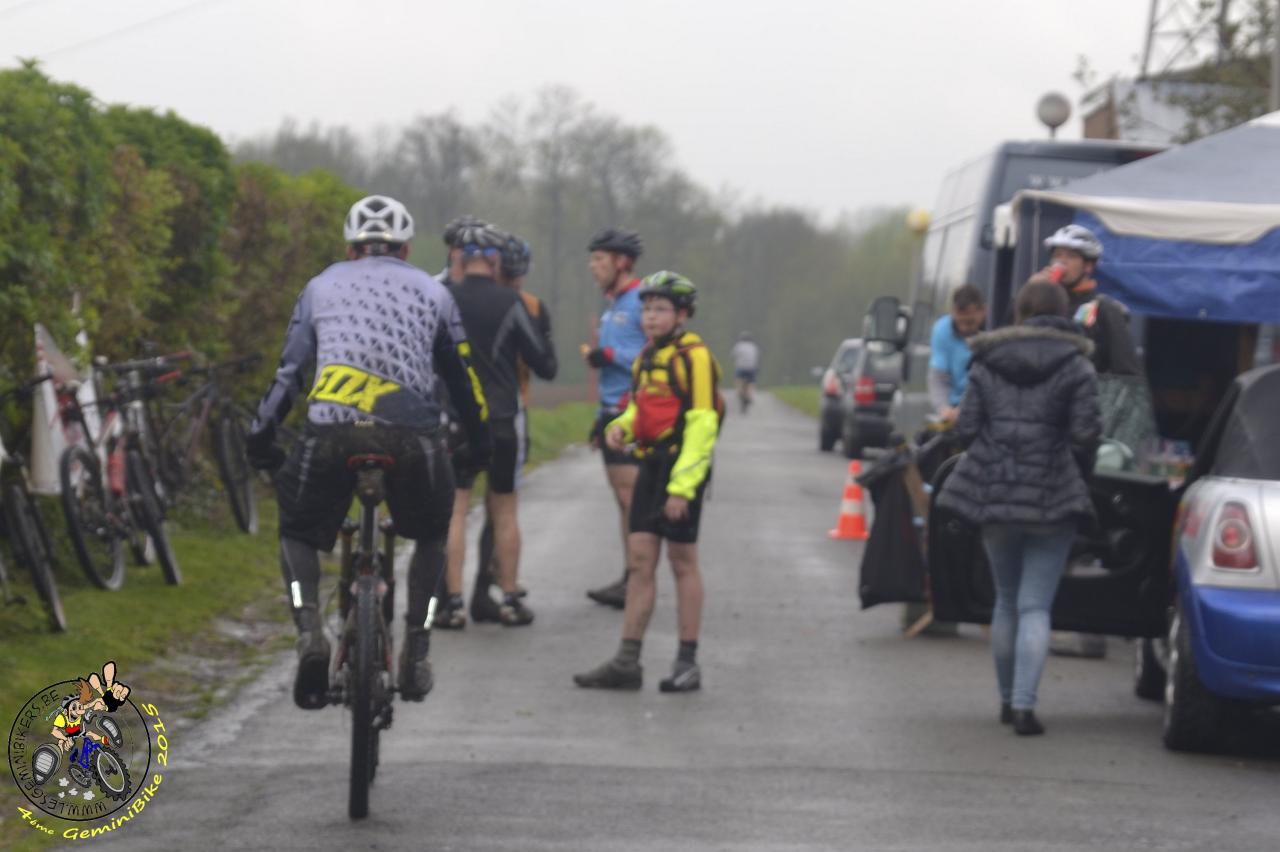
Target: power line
[(131, 28)]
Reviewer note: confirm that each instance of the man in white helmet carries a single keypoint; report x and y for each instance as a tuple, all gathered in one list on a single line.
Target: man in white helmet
[(1074, 252), (380, 335)]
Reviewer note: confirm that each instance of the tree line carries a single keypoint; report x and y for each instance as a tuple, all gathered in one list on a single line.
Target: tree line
[(137, 225)]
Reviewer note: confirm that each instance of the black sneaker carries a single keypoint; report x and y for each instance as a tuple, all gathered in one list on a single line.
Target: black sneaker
[(614, 594), (452, 614), (685, 677), (311, 683), (513, 613), (416, 679), (612, 675), (1025, 723), (484, 609)]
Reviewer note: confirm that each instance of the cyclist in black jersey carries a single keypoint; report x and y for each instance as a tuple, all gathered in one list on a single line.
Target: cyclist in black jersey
[(501, 332), (381, 336)]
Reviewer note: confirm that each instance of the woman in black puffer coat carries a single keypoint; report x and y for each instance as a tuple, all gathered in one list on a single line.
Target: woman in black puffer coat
[(1031, 421)]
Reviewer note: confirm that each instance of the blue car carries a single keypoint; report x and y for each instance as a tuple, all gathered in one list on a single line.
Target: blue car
[(1222, 651)]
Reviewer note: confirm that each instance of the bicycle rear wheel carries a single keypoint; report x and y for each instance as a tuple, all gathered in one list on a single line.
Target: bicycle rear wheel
[(365, 669), (89, 509), (29, 546), (142, 496), (234, 470)]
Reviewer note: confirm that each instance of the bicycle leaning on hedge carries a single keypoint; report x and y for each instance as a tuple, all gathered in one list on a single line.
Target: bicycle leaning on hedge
[(109, 493), (183, 426), (24, 527)]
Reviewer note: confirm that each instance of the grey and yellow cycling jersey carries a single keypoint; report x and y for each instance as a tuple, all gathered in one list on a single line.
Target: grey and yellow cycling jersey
[(381, 334)]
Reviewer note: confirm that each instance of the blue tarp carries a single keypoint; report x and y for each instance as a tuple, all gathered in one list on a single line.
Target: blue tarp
[(1188, 280)]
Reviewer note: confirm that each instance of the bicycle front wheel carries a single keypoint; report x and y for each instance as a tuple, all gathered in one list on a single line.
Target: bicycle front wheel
[(234, 470), (90, 512), (29, 546), (365, 670), (146, 508)]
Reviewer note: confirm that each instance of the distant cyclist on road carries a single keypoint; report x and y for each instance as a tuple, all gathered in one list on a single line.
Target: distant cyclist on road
[(501, 332), (613, 258), (673, 419), (381, 335), (746, 364)]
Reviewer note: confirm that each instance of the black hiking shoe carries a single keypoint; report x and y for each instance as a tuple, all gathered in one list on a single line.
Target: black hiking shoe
[(614, 594), (685, 677), (513, 613), (416, 678), (311, 683), (452, 614), (1025, 723), (484, 609), (612, 675), (1006, 714)]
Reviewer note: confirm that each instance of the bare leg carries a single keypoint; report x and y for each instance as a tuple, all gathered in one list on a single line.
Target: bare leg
[(622, 479), (457, 545), (642, 587), (684, 564), (506, 534)]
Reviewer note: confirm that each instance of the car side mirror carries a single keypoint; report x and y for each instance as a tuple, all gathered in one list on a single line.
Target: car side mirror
[(884, 321)]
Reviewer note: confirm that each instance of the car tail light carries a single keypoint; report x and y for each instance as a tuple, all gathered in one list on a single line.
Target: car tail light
[(1233, 539), (864, 391), (830, 384)]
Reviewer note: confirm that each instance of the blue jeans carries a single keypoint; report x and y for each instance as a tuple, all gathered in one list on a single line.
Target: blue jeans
[(1027, 562)]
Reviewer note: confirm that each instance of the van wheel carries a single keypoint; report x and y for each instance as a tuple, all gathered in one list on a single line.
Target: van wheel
[(1148, 673), (826, 439), (1193, 716), (851, 440)]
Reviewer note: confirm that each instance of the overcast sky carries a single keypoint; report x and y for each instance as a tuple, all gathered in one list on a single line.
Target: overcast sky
[(828, 104)]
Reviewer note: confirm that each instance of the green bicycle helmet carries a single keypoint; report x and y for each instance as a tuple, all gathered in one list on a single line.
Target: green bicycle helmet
[(672, 286)]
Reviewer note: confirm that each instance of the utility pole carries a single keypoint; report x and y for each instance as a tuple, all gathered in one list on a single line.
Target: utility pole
[(1182, 33)]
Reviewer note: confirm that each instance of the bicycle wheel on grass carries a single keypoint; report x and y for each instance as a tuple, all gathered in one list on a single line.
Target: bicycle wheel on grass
[(30, 546), (234, 470), (364, 670), (90, 512), (142, 496)]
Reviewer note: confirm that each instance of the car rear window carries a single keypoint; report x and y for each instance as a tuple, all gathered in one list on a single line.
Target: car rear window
[(884, 362), (847, 359), (1250, 444)]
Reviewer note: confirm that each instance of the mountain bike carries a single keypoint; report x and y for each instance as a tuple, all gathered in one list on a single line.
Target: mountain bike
[(89, 762), (24, 526), (366, 588), (209, 411), (109, 493)]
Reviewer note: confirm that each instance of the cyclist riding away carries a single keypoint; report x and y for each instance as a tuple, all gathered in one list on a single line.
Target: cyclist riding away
[(673, 419), (746, 364), (381, 335), (613, 258), (501, 330)]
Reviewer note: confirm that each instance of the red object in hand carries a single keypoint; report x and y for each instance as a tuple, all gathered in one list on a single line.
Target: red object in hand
[(1056, 272)]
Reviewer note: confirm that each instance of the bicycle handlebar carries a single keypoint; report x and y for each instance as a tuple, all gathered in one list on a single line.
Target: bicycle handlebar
[(159, 364), (26, 387)]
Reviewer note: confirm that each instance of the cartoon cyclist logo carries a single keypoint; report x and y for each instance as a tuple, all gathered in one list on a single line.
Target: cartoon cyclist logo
[(80, 749)]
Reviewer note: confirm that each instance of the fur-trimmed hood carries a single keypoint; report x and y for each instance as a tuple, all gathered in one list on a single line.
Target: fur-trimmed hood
[(1027, 354)]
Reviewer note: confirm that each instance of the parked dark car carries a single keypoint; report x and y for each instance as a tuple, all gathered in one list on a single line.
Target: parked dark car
[(859, 391)]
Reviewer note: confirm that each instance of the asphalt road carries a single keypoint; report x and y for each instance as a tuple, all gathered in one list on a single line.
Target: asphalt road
[(818, 727)]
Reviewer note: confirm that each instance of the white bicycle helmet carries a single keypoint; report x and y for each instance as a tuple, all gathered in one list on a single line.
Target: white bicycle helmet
[(380, 219), (1077, 238)]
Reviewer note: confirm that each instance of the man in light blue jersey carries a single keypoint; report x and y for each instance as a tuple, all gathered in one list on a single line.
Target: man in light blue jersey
[(613, 257), (381, 336)]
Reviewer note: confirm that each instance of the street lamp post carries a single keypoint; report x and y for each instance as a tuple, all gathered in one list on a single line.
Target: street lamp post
[(1053, 110)]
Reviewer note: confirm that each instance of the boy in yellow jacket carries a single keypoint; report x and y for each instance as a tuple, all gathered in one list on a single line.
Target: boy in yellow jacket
[(673, 420)]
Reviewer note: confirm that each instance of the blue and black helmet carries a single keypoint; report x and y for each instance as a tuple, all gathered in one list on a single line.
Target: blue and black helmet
[(516, 257)]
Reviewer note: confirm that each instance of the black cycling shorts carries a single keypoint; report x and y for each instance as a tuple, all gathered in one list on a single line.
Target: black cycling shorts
[(649, 501), (314, 487), (505, 466), (611, 457), (748, 376)]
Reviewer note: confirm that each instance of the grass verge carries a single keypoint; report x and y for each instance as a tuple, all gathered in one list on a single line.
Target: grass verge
[(803, 398)]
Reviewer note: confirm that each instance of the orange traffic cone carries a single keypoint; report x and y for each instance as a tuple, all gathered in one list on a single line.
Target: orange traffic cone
[(852, 523)]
